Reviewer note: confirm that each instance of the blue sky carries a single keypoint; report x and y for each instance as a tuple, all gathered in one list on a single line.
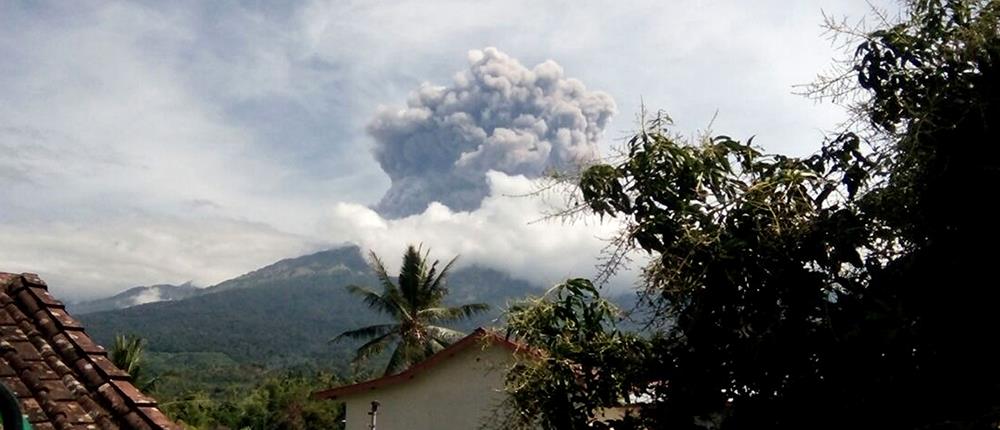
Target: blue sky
[(151, 142)]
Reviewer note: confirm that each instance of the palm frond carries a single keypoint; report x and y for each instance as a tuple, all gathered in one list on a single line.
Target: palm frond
[(414, 302), (373, 347), (366, 332), (443, 335), (411, 277), (405, 354), (433, 346), (438, 283), (383, 276), (427, 294), (390, 290), (454, 313), (127, 353), (375, 301)]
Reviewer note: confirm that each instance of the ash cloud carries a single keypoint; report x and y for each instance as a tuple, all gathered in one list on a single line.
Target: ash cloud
[(497, 115)]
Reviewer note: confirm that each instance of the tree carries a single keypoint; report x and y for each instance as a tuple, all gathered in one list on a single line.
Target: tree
[(581, 362), (415, 304), (281, 401), (844, 289), (128, 353)]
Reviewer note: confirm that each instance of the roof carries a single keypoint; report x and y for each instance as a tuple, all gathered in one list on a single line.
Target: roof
[(477, 338), (62, 379)]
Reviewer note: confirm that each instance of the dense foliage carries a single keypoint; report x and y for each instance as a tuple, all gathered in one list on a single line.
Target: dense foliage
[(215, 352), (279, 402), (416, 306), (851, 288), (128, 353), (282, 401), (574, 342)]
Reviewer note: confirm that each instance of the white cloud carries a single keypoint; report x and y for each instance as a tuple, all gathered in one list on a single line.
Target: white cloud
[(86, 260), (135, 123), (105, 118), (149, 295), (507, 232)]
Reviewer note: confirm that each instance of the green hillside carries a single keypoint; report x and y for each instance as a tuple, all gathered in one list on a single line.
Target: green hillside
[(276, 318)]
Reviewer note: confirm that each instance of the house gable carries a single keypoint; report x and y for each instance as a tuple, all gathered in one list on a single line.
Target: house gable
[(456, 388)]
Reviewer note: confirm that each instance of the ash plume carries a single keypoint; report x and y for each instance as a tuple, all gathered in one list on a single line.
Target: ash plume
[(497, 115)]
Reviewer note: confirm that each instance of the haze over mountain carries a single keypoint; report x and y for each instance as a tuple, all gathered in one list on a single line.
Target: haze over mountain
[(284, 314)]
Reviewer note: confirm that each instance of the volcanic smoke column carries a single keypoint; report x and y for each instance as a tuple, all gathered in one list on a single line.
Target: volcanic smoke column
[(497, 115)]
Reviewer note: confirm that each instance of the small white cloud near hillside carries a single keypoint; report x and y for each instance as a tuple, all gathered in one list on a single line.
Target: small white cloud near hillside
[(149, 295)]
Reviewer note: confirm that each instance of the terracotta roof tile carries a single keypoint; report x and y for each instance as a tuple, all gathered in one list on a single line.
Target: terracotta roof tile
[(44, 426), (156, 416), (62, 378), (16, 386), (83, 343), (26, 350), (6, 370), (107, 369), (33, 410)]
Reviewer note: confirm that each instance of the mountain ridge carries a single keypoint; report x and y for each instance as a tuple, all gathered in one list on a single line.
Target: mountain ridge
[(283, 314), (280, 317), (135, 296)]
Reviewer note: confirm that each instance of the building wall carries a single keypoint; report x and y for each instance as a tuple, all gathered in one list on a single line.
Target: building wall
[(456, 394)]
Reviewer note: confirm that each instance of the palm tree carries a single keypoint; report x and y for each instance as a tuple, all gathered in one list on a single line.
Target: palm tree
[(128, 354), (415, 305)]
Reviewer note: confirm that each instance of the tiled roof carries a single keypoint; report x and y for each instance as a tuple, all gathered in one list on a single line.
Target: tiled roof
[(477, 338), (63, 379)]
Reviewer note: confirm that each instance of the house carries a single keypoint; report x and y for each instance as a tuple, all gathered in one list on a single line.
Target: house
[(54, 375), (454, 389)]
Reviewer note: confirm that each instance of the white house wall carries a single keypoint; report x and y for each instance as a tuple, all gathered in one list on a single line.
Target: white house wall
[(456, 394)]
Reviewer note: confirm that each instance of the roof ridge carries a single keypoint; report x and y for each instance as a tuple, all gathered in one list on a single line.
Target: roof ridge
[(478, 334)]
